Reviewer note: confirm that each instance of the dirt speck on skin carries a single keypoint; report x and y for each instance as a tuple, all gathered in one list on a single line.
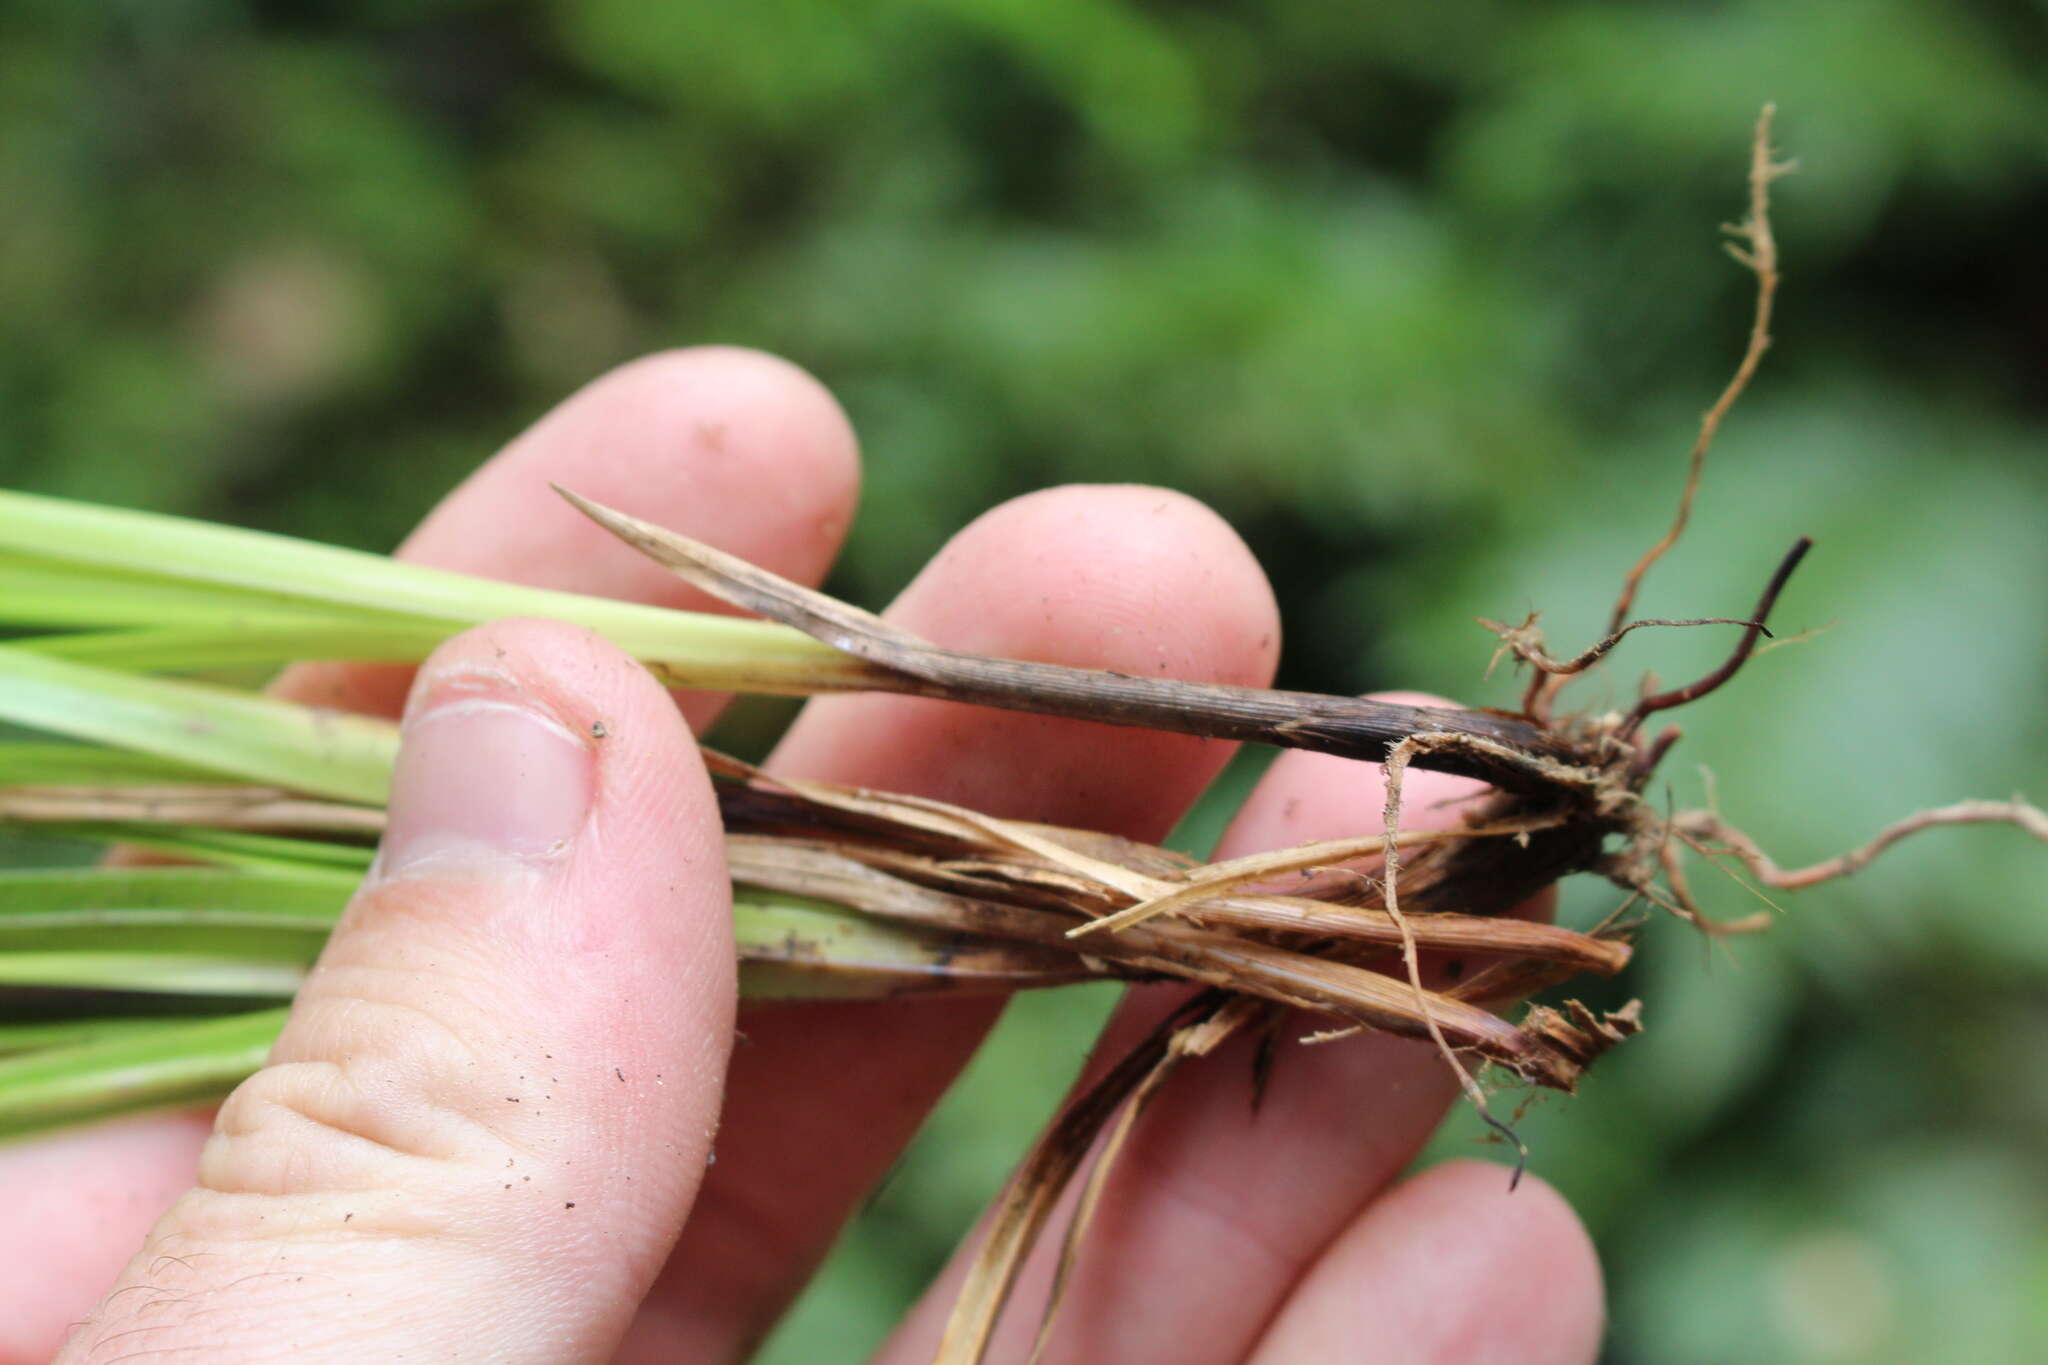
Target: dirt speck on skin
[(598, 729), (570, 1205)]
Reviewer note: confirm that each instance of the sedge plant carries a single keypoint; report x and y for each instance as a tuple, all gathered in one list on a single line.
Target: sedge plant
[(130, 693)]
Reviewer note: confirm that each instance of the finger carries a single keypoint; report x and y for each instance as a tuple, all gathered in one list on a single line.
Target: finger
[(1217, 1206), (77, 1206), (732, 446), (823, 1097), (1449, 1269), (490, 1109)]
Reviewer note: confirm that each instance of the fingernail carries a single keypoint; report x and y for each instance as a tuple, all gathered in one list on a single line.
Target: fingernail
[(485, 774)]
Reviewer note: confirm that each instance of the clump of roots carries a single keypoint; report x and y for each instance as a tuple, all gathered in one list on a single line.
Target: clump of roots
[(1569, 796)]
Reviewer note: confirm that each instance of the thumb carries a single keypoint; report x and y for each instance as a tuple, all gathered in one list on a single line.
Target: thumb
[(485, 1121)]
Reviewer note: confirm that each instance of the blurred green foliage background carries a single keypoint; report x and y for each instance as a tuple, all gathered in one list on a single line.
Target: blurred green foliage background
[(1425, 299)]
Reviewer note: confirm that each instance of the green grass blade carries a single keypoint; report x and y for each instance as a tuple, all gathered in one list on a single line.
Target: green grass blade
[(70, 594), (194, 934), (225, 847), (301, 748), (156, 973), (170, 1064), (45, 535), (36, 1034), (269, 644), (292, 896), (260, 917), (91, 765)]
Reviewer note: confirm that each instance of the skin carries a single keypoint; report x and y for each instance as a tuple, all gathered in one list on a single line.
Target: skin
[(571, 1011)]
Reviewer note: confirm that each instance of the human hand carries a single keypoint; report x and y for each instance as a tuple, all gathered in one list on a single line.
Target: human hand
[(485, 1133)]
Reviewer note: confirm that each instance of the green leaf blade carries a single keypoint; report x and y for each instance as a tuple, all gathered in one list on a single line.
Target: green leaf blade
[(141, 1068)]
